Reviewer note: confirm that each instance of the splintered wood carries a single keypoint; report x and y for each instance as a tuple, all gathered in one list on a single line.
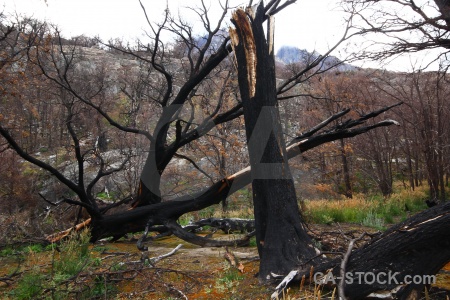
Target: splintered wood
[(240, 17), (234, 262), (53, 238)]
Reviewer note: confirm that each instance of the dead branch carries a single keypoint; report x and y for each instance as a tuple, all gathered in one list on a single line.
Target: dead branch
[(171, 288), (233, 260), (8, 280), (154, 260), (60, 235), (136, 219), (344, 262)]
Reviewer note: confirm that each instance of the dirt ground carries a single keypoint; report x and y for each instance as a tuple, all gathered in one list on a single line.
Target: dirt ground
[(191, 273)]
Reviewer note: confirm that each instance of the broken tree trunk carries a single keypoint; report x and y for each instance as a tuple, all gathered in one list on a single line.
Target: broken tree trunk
[(280, 233)]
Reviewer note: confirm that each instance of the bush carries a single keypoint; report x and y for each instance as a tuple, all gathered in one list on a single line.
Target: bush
[(373, 220)]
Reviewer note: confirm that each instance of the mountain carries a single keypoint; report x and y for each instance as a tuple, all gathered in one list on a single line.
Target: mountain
[(290, 55)]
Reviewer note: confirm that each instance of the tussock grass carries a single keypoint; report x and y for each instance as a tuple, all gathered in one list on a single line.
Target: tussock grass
[(373, 211), (369, 210)]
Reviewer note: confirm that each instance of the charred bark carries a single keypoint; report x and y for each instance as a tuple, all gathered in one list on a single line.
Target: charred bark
[(280, 233), (228, 225), (419, 246), (348, 186)]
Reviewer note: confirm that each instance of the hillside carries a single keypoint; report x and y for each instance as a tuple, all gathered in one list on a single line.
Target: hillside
[(294, 55)]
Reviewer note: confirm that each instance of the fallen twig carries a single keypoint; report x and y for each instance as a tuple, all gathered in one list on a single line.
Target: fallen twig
[(154, 260), (172, 289), (53, 238), (351, 244)]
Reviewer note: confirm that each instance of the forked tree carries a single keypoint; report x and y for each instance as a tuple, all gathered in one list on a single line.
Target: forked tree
[(173, 94)]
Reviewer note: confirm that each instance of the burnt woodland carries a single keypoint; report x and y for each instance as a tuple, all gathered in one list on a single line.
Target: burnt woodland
[(127, 139)]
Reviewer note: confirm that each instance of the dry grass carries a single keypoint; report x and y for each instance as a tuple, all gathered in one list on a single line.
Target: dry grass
[(366, 209)]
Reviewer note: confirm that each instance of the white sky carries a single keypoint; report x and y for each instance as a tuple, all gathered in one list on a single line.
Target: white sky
[(307, 24)]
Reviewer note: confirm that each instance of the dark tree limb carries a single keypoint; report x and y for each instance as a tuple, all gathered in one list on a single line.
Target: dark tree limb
[(179, 232), (427, 25), (28, 157), (228, 225), (319, 126), (134, 220), (64, 82), (193, 164)]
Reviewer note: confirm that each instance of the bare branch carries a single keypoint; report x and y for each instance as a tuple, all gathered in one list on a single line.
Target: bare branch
[(194, 164)]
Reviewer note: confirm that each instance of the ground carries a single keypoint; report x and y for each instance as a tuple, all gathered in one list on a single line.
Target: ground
[(115, 271)]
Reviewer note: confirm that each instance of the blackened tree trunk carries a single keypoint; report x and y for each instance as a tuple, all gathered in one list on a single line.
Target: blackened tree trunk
[(348, 186), (280, 234)]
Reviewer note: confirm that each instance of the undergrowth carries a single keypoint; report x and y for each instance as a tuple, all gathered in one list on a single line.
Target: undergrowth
[(372, 211), (369, 210), (57, 279)]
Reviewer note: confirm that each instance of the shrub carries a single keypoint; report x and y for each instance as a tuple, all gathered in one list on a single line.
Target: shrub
[(373, 220)]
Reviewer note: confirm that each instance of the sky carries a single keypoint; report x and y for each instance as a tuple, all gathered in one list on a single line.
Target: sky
[(307, 24)]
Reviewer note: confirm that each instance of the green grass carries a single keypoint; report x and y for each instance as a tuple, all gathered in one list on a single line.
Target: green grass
[(373, 220), (231, 275), (100, 289), (229, 281), (34, 248), (30, 286), (373, 211), (71, 258), (8, 251), (370, 210), (74, 256)]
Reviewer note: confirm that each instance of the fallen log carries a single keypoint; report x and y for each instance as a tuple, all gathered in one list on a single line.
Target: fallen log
[(203, 241), (399, 263), (228, 225)]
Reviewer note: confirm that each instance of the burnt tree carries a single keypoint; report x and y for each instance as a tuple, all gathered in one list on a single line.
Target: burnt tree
[(281, 237), (280, 233), (149, 212), (178, 124)]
